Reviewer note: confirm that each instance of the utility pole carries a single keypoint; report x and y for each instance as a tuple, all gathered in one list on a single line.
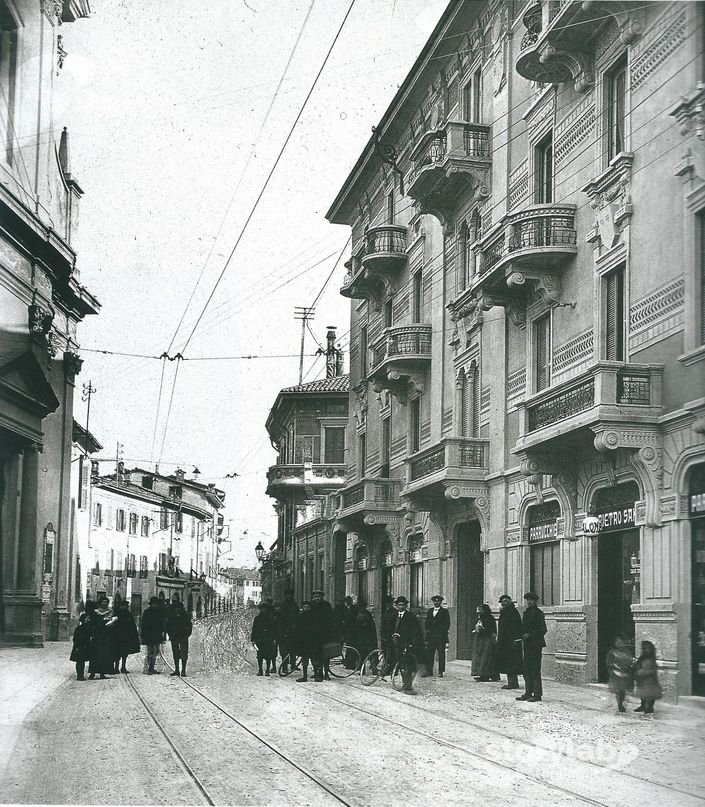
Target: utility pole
[(304, 314), (88, 392)]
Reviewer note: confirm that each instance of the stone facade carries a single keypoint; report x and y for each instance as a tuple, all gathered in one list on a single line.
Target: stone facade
[(527, 329)]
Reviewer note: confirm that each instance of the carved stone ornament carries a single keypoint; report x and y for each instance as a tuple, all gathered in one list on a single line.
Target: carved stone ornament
[(690, 113), (556, 62), (546, 285), (40, 320), (610, 198), (72, 364), (53, 9), (361, 405)]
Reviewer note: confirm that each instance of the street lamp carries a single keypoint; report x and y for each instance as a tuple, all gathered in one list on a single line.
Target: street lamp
[(260, 552)]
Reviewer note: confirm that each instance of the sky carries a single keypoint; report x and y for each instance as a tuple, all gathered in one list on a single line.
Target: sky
[(176, 113)]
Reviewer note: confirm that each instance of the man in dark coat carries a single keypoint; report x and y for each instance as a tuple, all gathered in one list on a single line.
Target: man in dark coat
[(437, 628), (153, 631), (508, 658), (179, 628), (534, 629), (323, 631), (127, 640), (263, 636), (303, 645), (408, 642)]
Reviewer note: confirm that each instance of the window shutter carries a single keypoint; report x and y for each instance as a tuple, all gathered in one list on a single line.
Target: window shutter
[(466, 404), (543, 349), (701, 218), (614, 307)]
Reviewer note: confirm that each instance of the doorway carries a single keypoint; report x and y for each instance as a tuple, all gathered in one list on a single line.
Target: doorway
[(340, 542), (618, 587), (470, 584)]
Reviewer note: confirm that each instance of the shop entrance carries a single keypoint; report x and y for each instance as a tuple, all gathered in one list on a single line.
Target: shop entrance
[(339, 544), (618, 588), (470, 584), (697, 522), (386, 576)]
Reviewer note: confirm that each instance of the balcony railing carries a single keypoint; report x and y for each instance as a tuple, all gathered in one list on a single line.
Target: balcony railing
[(607, 391), (402, 342), (453, 455), (373, 494), (323, 475), (390, 238)]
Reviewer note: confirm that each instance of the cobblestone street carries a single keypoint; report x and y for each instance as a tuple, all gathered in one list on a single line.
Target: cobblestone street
[(94, 742)]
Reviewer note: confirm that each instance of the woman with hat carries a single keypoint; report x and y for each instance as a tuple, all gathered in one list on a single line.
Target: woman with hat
[(485, 637)]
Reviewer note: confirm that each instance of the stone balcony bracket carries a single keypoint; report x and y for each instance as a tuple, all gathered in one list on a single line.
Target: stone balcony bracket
[(557, 46)]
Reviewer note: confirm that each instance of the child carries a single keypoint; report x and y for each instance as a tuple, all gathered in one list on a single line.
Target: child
[(647, 686), (620, 670), (81, 651)]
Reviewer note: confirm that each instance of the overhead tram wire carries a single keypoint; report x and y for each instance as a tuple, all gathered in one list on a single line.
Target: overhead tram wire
[(269, 176), (263, 123)]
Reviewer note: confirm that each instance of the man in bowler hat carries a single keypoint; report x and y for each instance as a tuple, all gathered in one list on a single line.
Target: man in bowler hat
[(534, 626), (437, 628), (407, 636)]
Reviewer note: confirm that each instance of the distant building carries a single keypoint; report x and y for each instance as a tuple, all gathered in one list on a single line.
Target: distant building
[(307, 424), (42, 302), (149, 534)]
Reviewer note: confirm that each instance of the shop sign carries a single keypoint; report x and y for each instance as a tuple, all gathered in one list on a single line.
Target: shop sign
[(622, 518), (543, 522)]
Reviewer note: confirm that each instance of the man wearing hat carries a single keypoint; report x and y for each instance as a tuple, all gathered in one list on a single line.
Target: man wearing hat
[(153, 632), (508, 655), (407, 637), (323, 632), (437, 628), (534, 626)]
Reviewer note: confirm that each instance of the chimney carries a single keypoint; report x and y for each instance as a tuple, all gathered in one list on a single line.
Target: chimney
[(331, 355), (180, 474)]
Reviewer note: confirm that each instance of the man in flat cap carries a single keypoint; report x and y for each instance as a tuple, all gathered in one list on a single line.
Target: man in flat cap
[(508, 657), (437, 628), (407, 637), (323, 632), (534, 626)]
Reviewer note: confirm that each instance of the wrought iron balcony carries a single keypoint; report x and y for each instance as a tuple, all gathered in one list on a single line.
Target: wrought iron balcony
[(452, 461), (560, 36), (400, 356), (368, 497), (449, 161), (285, 479), (607, 393), (385, 249)]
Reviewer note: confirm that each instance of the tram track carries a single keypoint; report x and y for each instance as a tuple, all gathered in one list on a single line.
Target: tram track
[(513, 739), (188, 769)]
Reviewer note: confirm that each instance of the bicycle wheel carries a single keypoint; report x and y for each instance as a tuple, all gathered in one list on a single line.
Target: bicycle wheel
[(410, 662), (346, 664), (372, 667), (289, 664)]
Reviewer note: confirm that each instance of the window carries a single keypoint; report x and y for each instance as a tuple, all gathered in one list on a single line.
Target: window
[(144, 531), (388, 313), (362, 454), (175, 491), (700, 224), (390, 207), (148, 482), (416, 599), (543, 162), (542, 352), (616, 81), (131, 566), (545, 574), (119, 565), (307, 448), (178, 521), (614, 314), (321, 574), (133, 523), (120, 520), (334, 451), (163, 519), (83, 475), (468, 403), (98, 515), (472, 98), (415, 425), (8, 72), (144, 566), (386, 447), (163, 562), (363, 351), (417, 296), (96, 562)]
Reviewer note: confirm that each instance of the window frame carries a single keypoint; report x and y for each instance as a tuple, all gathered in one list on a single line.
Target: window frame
[(324, 448), (538, 583), (620, 313), (547, 317), (362, 454), (414, 407), (619, 67), (544, 169)]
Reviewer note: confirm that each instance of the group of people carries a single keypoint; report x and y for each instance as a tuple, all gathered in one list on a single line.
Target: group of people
[(627, 673), (105, 637)]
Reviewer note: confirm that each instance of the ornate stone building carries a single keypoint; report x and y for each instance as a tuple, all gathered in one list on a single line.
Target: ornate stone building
[(527, 329), (42, 301), (307, 426)]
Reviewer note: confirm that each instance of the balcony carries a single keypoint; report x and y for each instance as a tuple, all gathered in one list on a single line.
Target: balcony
[(370, 500), (558, 45), (283, 480), (309, 511), (449, 161), (530, 245), (372, 272), (453, 462), (608, 394), (399, 358)]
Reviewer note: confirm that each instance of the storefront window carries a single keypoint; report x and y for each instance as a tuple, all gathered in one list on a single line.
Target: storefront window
[(544, 553), (416, 599), (696, 511)]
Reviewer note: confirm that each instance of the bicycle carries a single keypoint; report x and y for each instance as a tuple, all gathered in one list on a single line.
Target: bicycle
[(406, 659), (373, 667), (345, 664), (289, 664)]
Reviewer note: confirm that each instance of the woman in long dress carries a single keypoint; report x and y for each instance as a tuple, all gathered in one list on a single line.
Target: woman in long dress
[(485, 636), (103, 654)]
